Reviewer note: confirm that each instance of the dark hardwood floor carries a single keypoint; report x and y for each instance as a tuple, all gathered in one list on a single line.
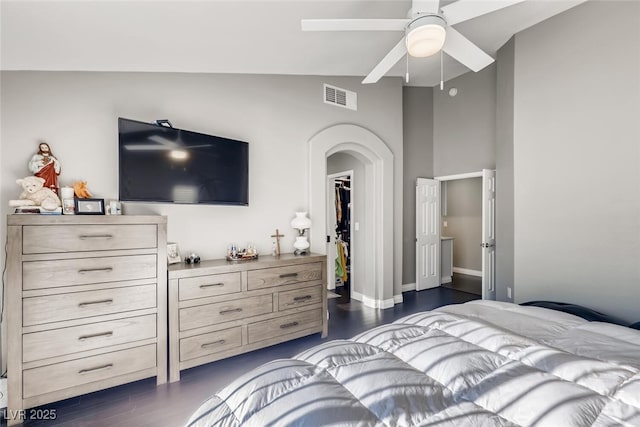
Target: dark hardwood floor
[(465, 283), (144, 404)]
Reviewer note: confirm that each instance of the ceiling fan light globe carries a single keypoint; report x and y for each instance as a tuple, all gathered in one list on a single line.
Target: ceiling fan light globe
[(425, 35), (425, 40)]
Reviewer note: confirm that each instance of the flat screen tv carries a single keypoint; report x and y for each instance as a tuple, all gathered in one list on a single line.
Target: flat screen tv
[(169, 165)]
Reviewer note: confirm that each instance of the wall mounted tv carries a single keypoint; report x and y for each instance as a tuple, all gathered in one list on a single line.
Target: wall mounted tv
[(169, 165)]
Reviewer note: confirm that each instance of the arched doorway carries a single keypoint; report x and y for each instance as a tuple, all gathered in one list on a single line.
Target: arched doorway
[(378, 164)]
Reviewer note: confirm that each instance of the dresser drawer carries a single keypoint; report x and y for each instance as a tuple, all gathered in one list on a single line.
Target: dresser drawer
[(299, 297), (208, 286), (82, 271), (59, 376), (276, 276), (206, 344), (75, 305), (39, 239), (209, 314), (292, 323), (58, 342)]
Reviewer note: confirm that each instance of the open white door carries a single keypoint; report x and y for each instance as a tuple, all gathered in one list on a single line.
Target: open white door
[(427, 233), (488, 234)]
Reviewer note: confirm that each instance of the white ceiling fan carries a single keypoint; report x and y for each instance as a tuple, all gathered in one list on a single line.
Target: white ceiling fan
[(428, 30)]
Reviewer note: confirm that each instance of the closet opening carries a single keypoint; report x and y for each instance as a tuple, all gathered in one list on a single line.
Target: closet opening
[(341, 229)]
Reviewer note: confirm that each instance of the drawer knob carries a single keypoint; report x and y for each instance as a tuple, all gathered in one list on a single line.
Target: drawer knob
[(211, 285), (102, 301), (289, 325), (102, 334), (231, 310), (92, 270), (213, 344), (97, 368), (282, 276), (95, 236), (304, 298)]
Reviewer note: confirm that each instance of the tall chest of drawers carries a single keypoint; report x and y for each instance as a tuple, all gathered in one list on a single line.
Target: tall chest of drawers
[(86, 305), (219, 308)]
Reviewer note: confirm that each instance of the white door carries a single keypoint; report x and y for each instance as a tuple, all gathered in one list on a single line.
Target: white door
[(488, 234), (427, 233)]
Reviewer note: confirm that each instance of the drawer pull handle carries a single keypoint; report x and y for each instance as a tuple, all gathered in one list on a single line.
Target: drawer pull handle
[(282, 276), (304, 298), (211, 285), (231, 310), (96, 236), (213, 344), (97, 368), (102, 301), (91, 270), (289, 325), (103, 334)]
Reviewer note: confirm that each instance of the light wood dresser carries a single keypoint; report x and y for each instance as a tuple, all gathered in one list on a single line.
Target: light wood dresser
[(220, 308), (86, 305)]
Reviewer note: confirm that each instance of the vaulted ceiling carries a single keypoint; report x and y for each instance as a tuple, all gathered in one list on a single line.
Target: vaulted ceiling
[(248, 37)]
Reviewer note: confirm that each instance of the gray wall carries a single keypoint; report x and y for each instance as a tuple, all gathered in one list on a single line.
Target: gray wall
[(417, 105), (464, 222), (504, 172), (361, 241), (577, 159), (464, 125)]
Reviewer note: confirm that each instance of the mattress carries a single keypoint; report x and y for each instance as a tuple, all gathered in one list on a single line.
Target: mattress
[(482, 363)]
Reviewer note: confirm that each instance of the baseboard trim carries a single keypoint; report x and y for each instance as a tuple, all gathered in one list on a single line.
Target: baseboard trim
[(397, 299), (408, 287), (467, 271), (446, 279), (372, 302)]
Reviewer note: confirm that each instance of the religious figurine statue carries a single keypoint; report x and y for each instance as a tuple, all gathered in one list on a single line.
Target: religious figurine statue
[(44, 165)]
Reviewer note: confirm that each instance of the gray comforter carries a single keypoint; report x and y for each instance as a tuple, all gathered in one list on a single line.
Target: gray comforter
[(482, 363)]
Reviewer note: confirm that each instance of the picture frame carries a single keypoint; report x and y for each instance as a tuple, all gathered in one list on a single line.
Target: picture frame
[(173, 253), (114, 207), (89, 206)]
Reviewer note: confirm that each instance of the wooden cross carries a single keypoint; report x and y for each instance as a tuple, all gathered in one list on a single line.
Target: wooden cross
[(277, 236)]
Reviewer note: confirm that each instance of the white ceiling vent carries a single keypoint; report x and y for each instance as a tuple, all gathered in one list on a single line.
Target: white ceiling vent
[(340, 97)]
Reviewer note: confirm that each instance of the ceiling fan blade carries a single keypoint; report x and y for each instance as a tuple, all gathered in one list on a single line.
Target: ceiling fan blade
[(463, 10), (462, 50), (354, 24), (394, 55), (425, 6)]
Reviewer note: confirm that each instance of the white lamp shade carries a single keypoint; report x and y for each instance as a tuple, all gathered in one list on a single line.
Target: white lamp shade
[(425, 36), (300, 221)]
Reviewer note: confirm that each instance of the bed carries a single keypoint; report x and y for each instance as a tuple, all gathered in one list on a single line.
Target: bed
[(482, 363)]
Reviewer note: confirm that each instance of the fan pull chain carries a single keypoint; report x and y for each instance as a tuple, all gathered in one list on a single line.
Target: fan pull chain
[(441, 71), (406, 76)]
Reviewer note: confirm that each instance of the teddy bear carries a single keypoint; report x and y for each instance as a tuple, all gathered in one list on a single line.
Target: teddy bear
[(34, 194)]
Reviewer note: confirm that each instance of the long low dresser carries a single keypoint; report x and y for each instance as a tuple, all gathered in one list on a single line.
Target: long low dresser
[(220, 308), (86, 305)]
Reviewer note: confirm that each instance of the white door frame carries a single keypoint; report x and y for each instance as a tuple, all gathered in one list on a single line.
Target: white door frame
[(331, 219), (378, 161), (455, 177)]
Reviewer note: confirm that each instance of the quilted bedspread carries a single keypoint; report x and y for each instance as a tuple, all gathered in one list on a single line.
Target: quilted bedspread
[(483, 363)]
